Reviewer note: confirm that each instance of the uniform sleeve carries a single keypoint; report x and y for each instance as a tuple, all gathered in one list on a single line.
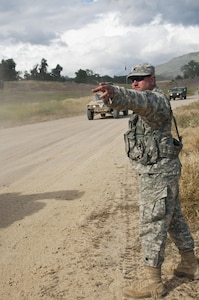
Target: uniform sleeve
[(152, 106)]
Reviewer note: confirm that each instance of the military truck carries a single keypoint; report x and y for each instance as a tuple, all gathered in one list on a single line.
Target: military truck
[(96, 106), (178, 92)]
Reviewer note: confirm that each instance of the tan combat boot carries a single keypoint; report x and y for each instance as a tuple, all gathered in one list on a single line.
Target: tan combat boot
[(188, 266), (152, 287)]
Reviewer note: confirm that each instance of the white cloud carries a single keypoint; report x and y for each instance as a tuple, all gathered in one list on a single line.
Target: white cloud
[(104, 36)]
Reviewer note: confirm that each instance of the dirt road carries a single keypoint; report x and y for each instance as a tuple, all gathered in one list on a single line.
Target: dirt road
[(68, 214)]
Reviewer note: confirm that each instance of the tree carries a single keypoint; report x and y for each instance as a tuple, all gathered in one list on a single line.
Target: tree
[(7, 70), (34, 74), (191, 69), (56, 73), (81, 76), (43, 74), (178, 77), (87, 76), (40, 72)]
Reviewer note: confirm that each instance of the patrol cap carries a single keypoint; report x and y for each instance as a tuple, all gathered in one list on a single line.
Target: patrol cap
[(142, 70)]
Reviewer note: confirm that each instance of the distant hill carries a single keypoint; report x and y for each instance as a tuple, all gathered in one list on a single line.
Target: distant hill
[(172, 68)]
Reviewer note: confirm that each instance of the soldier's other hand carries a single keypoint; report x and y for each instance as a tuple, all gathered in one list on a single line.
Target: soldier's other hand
[(106, 89)]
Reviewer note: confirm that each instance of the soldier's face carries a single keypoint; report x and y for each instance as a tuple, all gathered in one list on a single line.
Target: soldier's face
[(141, 83)]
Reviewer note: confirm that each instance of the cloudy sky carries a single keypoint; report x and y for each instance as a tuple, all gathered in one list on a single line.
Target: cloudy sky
[(100, 35)]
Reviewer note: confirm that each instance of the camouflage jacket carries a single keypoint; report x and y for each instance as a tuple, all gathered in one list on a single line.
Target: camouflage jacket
[(149, 143)]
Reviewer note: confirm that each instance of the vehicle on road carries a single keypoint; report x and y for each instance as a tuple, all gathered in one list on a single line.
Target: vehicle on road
[(96, 106), (178, 92)]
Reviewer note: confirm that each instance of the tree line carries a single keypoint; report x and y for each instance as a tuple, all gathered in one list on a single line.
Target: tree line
[(40, 72)]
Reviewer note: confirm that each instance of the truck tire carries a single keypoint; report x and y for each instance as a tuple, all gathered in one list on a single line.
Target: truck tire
[(115, 114), (90, 114), (125, 112)]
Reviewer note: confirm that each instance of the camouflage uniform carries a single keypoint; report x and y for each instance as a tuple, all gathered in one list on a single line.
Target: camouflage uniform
[(149, 145)]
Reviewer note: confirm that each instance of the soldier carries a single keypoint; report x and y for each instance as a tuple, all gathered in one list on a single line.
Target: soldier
[(153, 153)]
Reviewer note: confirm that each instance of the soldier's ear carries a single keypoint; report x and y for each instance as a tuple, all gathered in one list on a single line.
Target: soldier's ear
[(152, 77)]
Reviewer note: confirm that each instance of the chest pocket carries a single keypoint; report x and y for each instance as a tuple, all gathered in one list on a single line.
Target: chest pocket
[(141, 142)]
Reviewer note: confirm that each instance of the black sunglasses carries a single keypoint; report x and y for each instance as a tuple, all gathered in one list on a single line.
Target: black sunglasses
[(139, 78)]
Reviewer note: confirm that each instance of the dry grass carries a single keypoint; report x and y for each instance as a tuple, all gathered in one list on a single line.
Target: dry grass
[(26, 102), (189, 181), (188, 117), (189, 188), (13, 115)]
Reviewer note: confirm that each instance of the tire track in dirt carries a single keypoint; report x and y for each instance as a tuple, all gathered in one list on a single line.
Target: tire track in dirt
[(110, 230), (130, 211)]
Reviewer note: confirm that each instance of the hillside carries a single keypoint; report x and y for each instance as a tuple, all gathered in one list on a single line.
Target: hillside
[(172, 68)]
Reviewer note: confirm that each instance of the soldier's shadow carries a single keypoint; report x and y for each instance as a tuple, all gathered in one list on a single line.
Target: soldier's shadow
[(16, 206), (175, 282)]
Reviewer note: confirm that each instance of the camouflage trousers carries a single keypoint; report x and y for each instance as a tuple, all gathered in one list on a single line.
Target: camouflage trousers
[(160, 214)]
